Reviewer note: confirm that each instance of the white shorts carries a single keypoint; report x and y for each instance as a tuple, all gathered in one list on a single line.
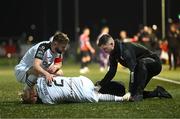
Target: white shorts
[(21, 73), (88, 90)]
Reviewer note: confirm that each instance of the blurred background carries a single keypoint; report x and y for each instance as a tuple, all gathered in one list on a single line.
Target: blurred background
[(24, 23)]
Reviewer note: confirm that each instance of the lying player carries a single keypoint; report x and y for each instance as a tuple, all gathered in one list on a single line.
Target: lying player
[(66, 89)]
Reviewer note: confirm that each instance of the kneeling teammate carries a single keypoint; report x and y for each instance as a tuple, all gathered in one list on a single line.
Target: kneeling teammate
[(66, 89), (44, 58)]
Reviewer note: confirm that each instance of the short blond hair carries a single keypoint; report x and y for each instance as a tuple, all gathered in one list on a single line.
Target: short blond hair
[(61, 38)]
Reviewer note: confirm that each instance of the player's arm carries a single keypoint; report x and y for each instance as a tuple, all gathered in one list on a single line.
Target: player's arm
[(37, 67), (130, 58), (90, 47), (55, 68), (111, 73), (38, 62)]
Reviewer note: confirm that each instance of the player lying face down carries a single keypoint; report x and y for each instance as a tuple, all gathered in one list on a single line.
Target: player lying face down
[(80, 89), (66, 89)]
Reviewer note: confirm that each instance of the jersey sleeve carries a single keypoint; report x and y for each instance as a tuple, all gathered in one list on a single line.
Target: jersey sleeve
[(112, 71), (41, 50), (130, 58)]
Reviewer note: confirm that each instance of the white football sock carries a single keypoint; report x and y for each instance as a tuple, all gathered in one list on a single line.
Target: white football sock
[(118, 99), (107, 97)]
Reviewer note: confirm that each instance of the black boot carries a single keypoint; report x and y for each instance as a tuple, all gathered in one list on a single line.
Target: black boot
[(162, 93)]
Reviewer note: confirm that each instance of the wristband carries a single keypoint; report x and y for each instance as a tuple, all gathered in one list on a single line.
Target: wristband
[(57, 60)]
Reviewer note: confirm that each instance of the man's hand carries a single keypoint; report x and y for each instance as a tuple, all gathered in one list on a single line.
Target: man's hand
[(97, 88), (49, 78), (92, 51), (53, 69), (127, 96)]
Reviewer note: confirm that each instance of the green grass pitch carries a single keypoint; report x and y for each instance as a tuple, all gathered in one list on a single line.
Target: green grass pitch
[(10, 106)]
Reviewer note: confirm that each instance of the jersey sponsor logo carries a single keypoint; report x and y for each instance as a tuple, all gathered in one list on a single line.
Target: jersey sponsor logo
[(42, 48), (39, 54)]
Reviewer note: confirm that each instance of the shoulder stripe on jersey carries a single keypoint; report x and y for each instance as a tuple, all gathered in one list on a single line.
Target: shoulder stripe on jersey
[(41, 50)]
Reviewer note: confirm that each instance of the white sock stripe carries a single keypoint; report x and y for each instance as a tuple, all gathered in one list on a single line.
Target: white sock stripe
[(118, 99), (106, 97)]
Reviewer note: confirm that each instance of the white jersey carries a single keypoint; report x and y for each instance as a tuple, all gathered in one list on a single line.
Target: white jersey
[(41, 51), (69, 89)]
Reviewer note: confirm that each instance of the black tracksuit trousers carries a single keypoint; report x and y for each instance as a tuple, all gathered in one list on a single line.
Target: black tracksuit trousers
[(144, 71)]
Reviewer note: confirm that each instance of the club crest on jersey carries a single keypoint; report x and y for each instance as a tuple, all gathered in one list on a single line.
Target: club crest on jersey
[(42, 48), (40, 53)]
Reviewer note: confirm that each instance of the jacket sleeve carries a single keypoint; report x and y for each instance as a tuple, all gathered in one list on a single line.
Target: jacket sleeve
[(111, 73), (130, 58)]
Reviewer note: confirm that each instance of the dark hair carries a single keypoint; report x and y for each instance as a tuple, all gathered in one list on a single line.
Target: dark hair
[(103, 39), (61, 38)]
